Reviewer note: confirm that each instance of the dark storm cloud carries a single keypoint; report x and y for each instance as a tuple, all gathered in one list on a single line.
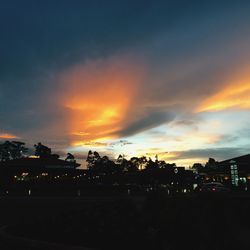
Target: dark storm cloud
[(219, 154), (49, 34), (187, 120), (31, 119), (42, 35), (150, 120)]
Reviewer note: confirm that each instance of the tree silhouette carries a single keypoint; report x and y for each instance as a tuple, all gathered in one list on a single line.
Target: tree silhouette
[(120, 159), (12, 150), (18, 149), (92, 159), (211, 164), (5, 151), (168, 165), (135, 163), (198, 167), (42, 151), (151, 164), (122, 164), (101, 165), (70, 157)]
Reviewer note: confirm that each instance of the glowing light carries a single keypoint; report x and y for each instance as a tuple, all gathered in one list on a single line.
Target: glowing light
[(234, 96), (163, 155), (80, 133), (7, 136)]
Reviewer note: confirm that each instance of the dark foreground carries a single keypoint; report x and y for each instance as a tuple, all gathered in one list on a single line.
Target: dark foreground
[(157, 222)]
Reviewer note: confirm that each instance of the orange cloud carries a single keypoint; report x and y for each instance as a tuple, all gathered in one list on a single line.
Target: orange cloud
[(98, 96), (7, 136), (236, 95)]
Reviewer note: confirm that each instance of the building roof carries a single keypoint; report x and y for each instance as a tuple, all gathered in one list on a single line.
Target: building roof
[(40, 162), (240, 160), (243, 163)]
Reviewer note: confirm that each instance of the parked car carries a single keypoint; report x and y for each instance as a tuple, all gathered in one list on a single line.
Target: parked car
[(213, 187)]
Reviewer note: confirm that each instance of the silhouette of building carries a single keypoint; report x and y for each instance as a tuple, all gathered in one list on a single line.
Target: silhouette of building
[(27, 168), (234, 172), (40, 176)]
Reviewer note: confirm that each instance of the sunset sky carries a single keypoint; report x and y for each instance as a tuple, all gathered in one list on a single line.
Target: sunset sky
[(133, 77)]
